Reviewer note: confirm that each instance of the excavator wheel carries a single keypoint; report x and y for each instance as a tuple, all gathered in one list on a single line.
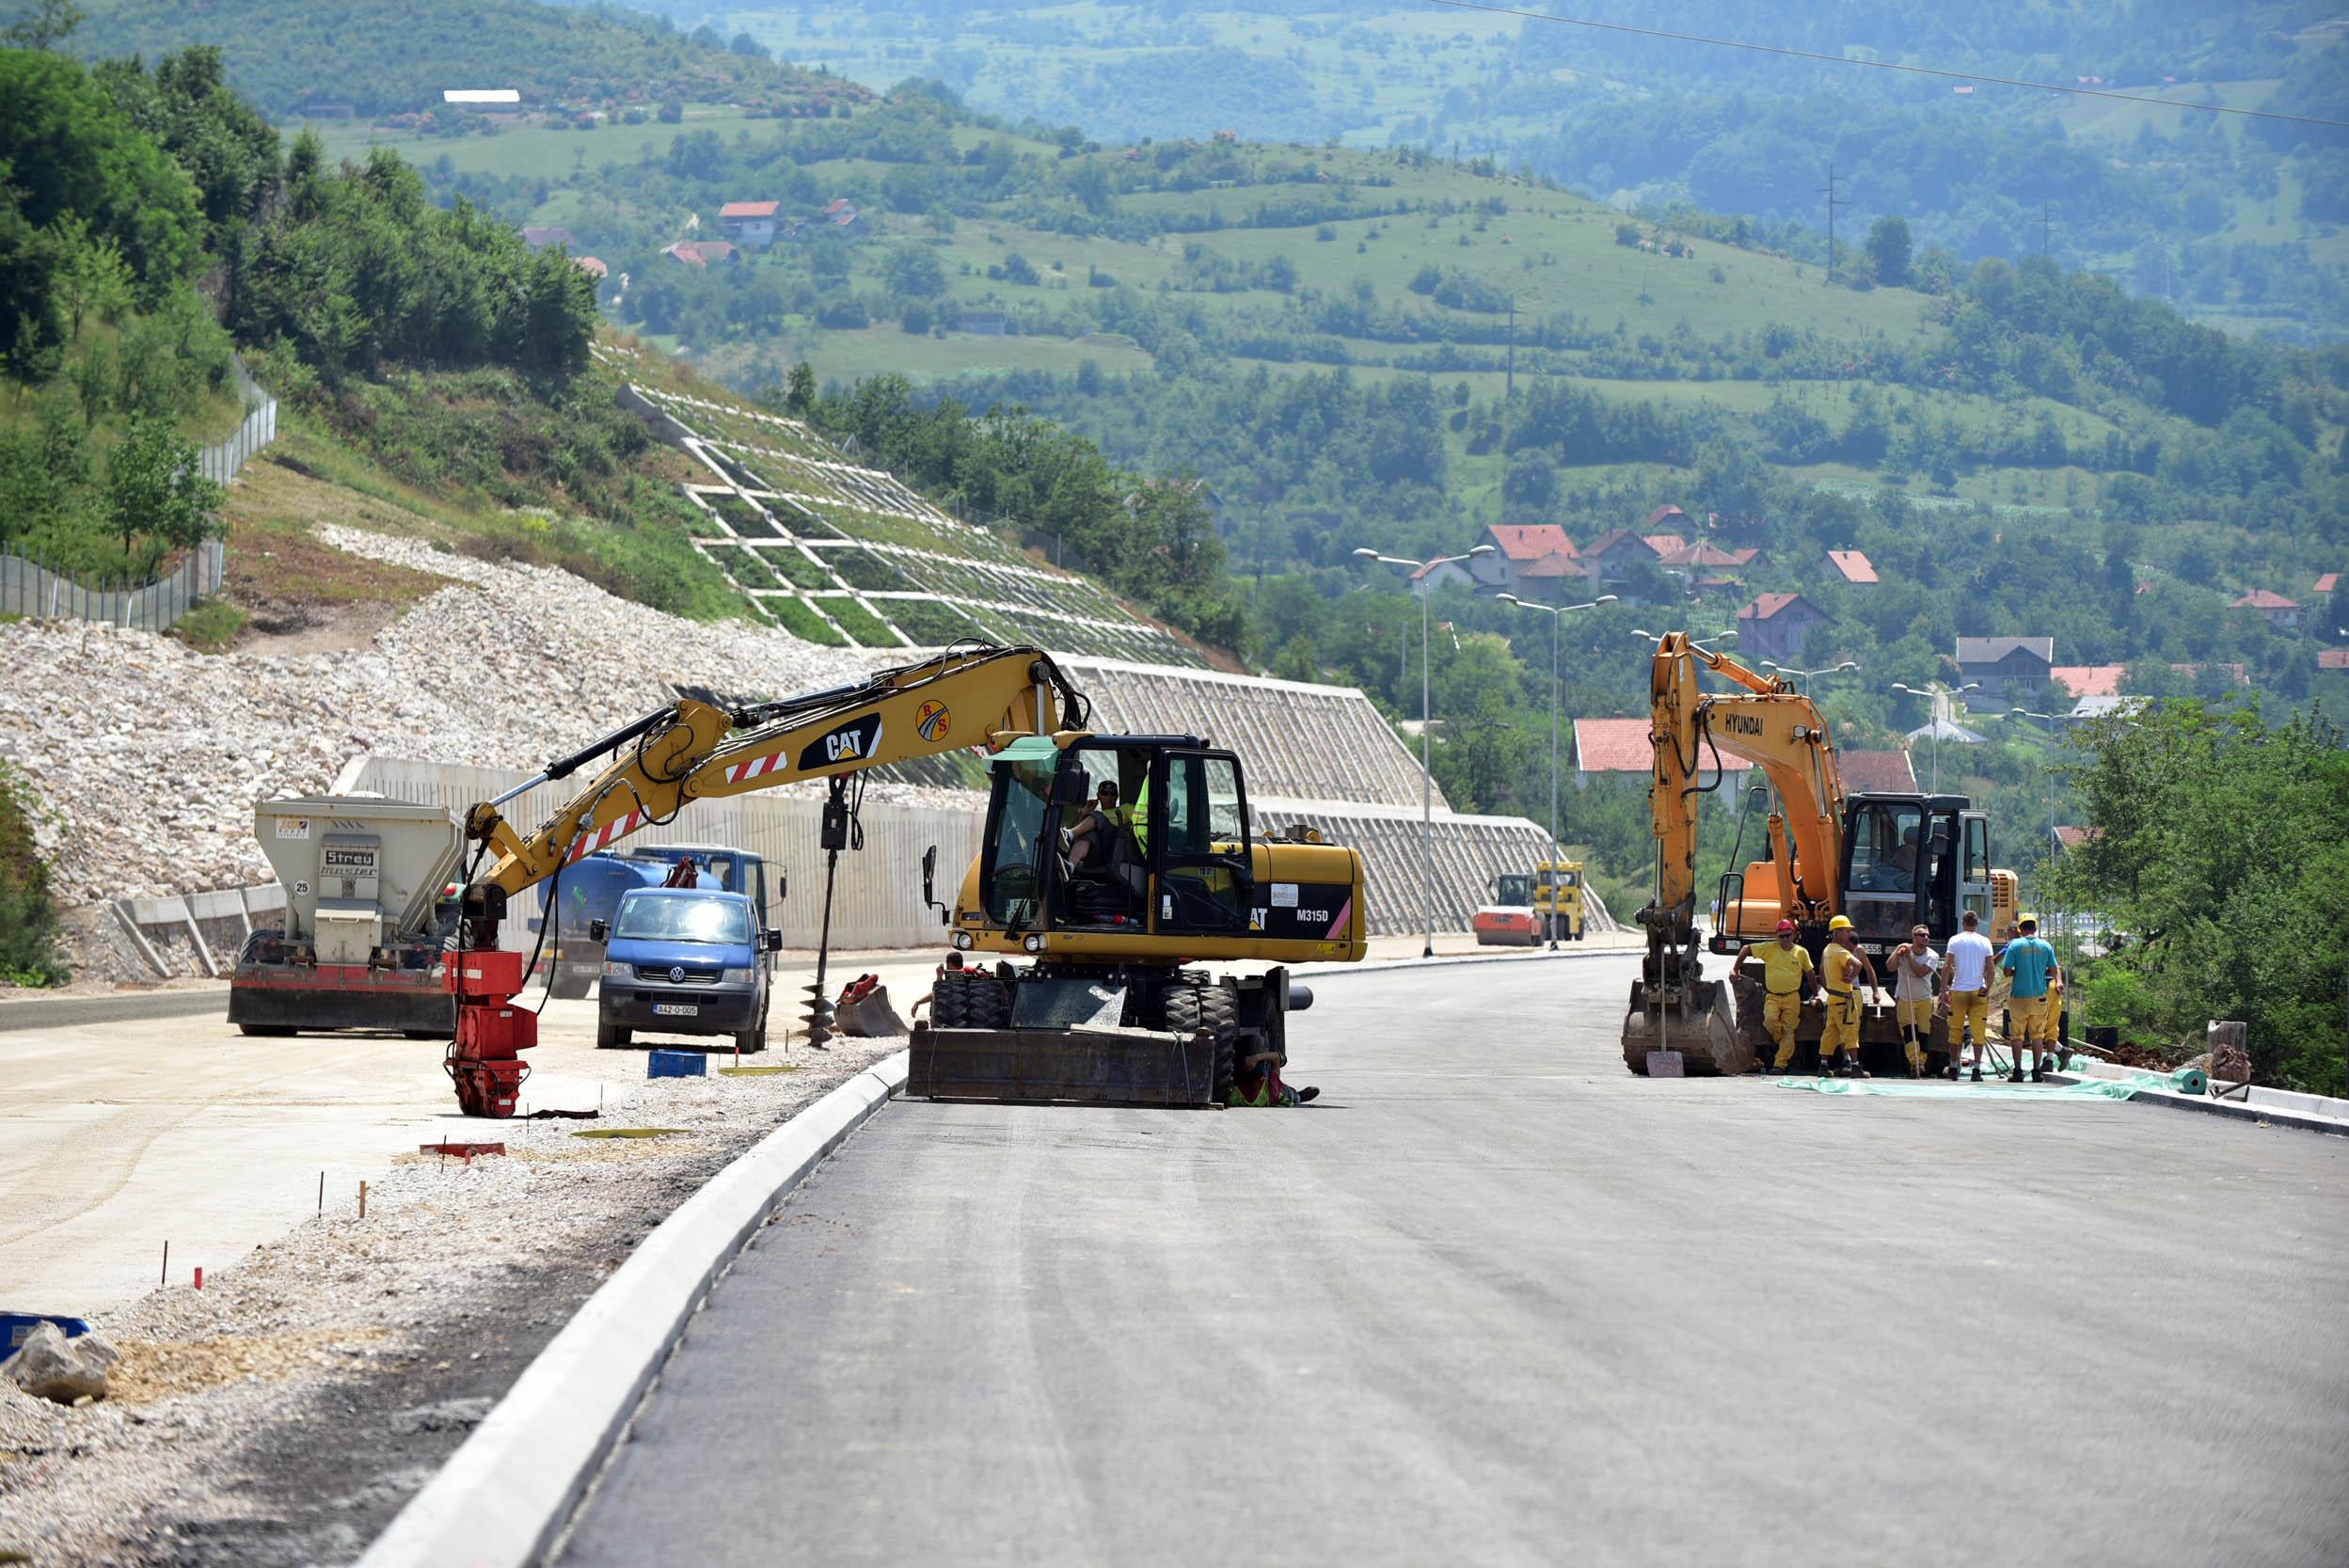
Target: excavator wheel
[(970, 1000), (1212, 1007)]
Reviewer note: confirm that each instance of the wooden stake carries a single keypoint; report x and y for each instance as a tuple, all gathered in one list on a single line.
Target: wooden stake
[(322, 1192), (167, 1265), (362, 1200)]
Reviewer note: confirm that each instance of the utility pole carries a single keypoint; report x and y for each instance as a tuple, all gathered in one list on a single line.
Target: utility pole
[(2045, 224), (1833, 201)]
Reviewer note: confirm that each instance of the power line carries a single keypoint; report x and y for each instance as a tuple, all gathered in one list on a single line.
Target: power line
[(1888, 65)]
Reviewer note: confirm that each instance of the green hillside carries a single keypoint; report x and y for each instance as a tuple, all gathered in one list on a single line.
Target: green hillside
[(397, 60)]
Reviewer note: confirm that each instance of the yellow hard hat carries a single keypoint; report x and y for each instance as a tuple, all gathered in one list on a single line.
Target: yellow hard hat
[(2027, 920), (1841, 922)]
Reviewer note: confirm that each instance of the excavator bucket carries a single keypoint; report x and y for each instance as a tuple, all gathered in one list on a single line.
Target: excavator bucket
[(1095, 1066), (1704, 1032), (1061, 1040)]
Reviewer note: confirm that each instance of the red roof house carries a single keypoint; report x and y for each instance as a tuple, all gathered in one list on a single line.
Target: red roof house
[(1852, 566), (2333, 659), (1889, 772), (2327, 583), (2271, 607), (1775, 625), (1517, 547), (1621, 747), (700, 253), (2089, 680)]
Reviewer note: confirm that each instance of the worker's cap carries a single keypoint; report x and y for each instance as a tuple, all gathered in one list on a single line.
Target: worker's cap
[(1786, 927), (2027, 920), (1841, 922)]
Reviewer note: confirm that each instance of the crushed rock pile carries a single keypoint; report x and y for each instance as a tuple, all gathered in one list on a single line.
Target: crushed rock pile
[(147, 757)]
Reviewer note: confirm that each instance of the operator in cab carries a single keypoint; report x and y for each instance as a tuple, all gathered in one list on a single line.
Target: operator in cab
[(1095, 832), (1786, 974)]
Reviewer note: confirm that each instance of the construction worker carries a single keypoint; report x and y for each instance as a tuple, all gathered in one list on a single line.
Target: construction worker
[(1966, 992), (1786, 974), (2031, 964), (1839, 1040), (1099, 827), (1915, 969)]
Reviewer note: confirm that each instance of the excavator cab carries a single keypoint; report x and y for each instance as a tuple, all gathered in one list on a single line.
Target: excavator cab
[(1114, 897), (1910, 861)]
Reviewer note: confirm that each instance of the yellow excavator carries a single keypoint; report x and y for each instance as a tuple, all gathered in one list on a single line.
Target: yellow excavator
[(1187, 882), (1888, 861)]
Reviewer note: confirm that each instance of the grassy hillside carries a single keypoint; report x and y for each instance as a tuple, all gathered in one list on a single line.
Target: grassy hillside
[(398, 59), (2236, 223)]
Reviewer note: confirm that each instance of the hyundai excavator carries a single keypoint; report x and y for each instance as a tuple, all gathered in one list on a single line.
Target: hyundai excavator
[(1889, 862), (1155, 1032)]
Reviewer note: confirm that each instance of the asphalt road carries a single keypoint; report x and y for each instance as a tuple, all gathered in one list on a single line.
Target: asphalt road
[(1496, 1300)]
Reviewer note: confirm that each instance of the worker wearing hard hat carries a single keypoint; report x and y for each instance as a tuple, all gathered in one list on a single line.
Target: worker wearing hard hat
[(1786, 974), (1839, 1040), (2030, 963)]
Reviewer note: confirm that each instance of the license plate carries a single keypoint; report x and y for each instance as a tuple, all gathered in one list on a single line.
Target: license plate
[(675, 1009)]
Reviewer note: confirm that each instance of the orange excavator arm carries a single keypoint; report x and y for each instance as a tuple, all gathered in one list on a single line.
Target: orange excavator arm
[(1769, 723)]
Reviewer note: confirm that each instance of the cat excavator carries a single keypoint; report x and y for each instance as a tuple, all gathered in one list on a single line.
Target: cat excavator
[(1110, 948), (1888, 861)]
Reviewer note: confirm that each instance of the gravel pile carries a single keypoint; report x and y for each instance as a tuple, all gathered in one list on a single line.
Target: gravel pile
[(147, 757), (286, 1411)]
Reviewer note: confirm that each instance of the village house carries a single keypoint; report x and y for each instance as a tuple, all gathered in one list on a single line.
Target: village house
[(1851, 566), (1775, 625), (1879, 772), (1621, 750), (749, 223), (1442, 573), (2271, 607), (1610, 555), (2007, 669), (701, 253), (539, 238), (1517, 547)]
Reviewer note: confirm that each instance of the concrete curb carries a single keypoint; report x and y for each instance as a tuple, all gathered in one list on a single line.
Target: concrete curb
[(503, 1496), (2307, 1121), (67, 1013)]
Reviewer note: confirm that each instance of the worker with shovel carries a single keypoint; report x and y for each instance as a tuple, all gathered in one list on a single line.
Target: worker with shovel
[(1914, 968)]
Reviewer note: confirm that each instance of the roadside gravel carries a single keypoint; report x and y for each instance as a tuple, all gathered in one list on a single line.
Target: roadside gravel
[(147, 757), (284, 1413)]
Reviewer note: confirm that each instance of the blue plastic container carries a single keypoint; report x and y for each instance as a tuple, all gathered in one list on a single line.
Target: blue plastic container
[(677, 1063), (14, 1326)]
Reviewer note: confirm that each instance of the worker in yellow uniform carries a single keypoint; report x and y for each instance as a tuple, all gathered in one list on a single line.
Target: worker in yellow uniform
[(1786, 974), (1839, 1040)]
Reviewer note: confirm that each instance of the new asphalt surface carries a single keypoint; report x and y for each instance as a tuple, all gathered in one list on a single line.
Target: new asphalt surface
[(1494, 1300)]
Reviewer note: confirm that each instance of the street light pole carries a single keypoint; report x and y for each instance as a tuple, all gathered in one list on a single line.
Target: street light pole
[(1555, 614), (1934, 699), (2027, 713), (1427, 756)]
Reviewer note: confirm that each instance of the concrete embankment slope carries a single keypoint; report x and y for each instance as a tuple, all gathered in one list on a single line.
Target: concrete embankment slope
[(1494, 1300)]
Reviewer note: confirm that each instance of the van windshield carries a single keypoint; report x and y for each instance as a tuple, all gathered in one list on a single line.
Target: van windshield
[(709, 920)]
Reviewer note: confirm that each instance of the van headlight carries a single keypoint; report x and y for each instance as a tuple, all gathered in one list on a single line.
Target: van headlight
[(738, 976), (618, 972)]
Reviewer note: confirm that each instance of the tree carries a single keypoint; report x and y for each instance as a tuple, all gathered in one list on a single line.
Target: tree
[(912, 271), (1888, 248), (799, 394), (153, 487), (52, 21), (94, 276), (746, 45)]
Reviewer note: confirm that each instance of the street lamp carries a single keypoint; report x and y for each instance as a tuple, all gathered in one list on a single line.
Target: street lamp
[(1555, 614), (1800, 676), (1935, 699), (1427, 758), (1700, 638)]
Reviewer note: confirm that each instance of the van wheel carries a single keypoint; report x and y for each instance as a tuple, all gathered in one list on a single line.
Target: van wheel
[(751, 1041), (610, 1037)]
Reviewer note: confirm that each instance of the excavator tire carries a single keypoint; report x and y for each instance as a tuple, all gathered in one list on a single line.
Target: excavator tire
[(969, 1000), (1211, 1006)]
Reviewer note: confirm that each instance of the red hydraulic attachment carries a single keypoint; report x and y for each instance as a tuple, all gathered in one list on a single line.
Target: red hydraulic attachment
[(485, 1060)]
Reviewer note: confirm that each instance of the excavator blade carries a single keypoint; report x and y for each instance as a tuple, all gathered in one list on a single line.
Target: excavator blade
[(1101, 1064)]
